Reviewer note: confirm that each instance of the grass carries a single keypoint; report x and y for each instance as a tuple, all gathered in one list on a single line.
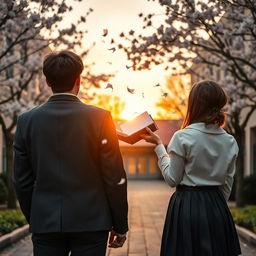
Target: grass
[(11, 220), (245, 217)]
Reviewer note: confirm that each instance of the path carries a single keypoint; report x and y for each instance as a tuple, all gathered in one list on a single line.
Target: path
[(148, 201)]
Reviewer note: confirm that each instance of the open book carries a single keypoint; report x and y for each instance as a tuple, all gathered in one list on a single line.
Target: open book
[(131, 130)]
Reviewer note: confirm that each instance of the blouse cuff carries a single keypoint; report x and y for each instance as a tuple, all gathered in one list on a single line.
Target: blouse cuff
[(160, 151)]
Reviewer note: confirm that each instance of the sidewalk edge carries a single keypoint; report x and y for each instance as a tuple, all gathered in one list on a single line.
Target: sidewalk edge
[(14, 236), (246, 235)]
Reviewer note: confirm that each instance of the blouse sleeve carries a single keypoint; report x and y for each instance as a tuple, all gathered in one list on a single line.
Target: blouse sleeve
[(226, 188), (172, 162)]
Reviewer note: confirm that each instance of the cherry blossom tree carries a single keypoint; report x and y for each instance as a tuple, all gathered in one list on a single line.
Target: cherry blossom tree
[(29, 29), (209, 39)]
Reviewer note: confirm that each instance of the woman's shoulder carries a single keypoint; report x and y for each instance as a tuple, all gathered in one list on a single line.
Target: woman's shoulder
[(184, 134), (188, 136)]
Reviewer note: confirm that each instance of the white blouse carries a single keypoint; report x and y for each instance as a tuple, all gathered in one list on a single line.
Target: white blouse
[(199, 155)]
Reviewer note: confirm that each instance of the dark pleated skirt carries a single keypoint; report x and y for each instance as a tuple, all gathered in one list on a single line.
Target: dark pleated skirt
[(199, 223)]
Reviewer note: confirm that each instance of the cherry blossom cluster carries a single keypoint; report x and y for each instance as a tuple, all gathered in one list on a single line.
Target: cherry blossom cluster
[(213, 40), (29, 30)]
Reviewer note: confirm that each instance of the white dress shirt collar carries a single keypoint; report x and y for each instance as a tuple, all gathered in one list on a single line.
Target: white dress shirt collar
[(210, 128), (64, 93)]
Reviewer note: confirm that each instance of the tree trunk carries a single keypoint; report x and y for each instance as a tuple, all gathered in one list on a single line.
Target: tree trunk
[(11, 202), (240, 138)]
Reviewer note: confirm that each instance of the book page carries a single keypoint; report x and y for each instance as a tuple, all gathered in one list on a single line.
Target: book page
[(121, 133), (136, 124)]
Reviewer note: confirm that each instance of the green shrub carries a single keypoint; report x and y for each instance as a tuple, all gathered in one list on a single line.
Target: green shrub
[(3, 192), (245, 217), (249, 191), (10, 220)]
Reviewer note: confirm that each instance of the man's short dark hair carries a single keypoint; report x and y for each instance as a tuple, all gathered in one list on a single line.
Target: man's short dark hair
[(61, 70)]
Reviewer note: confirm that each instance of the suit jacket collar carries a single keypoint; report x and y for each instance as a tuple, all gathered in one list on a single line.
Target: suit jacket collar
[(63, 97), (210, 128)]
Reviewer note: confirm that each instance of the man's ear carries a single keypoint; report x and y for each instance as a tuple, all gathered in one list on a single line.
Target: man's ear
[(78, 80), (48, 83)]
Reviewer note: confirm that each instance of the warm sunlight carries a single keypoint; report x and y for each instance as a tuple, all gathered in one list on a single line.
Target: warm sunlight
[(148, 86), (128, 114)]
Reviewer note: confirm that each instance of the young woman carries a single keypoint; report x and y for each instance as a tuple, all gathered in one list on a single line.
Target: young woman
[(200, 162)]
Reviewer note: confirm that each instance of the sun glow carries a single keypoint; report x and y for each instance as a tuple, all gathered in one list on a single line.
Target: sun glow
[(145, 95), (128, 115)]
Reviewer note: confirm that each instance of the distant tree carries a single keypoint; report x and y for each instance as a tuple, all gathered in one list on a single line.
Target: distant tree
[(173, 106), (28, 29), (218, 36)]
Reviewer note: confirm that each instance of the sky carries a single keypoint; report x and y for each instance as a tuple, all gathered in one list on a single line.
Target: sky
[(121, 16)]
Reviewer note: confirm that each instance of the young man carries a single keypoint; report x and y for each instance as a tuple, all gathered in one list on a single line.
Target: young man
[(68, 170)]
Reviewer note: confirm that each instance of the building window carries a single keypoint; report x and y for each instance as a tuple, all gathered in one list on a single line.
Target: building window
[(131, 165), (218, 75), (3, 161), (152, 165), (253, 150), (141, 165)]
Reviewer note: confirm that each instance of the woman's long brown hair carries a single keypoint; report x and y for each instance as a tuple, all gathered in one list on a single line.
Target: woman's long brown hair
[(205, 103)]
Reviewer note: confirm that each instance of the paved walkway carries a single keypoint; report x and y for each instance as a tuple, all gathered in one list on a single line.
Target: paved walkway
[(148, 201)]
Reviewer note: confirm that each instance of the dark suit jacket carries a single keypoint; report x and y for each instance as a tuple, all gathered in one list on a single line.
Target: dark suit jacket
[(67, 167)]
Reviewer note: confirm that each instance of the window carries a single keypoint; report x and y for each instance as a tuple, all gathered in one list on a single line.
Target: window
[(3, 168), (253, 150), (218, 75), (152, 165), (141, 165), (131, 165)]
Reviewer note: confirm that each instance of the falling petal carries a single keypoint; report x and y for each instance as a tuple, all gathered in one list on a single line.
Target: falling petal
[(104, 141), (130, 90), (109, 86), (105, 32), (121, 182), (157, 85), (113, 49), (165, 94), (109, 62), (143, 95)]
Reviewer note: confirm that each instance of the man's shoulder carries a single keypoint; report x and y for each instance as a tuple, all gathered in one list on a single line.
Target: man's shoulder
[(97, 111), (28, 113)]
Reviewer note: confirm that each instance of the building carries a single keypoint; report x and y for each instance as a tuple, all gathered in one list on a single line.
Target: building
[(140, 160)]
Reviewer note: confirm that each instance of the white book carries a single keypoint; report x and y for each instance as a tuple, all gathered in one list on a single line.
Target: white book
[(131, 131)]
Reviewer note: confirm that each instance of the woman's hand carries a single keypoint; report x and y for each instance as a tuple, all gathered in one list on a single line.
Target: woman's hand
[(151, 137)]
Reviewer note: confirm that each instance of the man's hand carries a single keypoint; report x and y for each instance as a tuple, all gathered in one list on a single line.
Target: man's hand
[(151, 137), (116, 241)]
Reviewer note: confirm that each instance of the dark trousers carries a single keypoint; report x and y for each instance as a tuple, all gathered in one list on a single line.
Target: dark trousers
[(79, 244)]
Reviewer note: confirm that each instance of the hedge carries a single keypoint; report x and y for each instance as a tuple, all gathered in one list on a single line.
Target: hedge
[(249, 191), (245, 217), (10, 220)]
